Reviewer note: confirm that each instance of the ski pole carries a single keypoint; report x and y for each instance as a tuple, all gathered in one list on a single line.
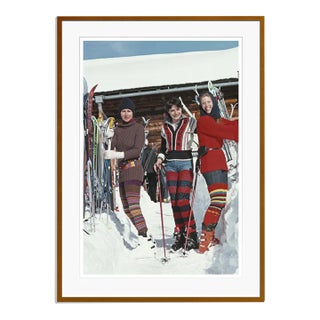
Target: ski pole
[(191, 209), (164, 259), (91, 217), (110, 189), (185, 108)]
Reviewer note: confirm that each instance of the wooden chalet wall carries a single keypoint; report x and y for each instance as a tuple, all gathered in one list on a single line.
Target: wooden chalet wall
[(152, 106)]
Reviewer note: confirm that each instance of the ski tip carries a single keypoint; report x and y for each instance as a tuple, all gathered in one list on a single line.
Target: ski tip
[(93, 88)]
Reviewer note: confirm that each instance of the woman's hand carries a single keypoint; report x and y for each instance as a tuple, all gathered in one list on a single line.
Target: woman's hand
[(111, 154), (158, 165)]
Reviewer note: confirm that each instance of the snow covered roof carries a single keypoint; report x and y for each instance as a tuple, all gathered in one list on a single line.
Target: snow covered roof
[(161, 69)]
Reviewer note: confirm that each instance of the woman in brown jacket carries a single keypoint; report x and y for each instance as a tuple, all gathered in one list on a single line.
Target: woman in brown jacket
[(127, 143)]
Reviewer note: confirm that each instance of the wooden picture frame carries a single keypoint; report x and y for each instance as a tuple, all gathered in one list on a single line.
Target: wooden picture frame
[(249, 284)]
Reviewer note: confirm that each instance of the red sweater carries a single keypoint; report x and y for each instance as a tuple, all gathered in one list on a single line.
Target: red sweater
[(211, 134)]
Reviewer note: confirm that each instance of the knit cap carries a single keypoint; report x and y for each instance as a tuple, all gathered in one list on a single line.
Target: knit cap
[(127, 103)]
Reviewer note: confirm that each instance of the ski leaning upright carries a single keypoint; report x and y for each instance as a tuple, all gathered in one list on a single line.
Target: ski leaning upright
[(110, 170), (89, 194), (230, 147), (100, 173)]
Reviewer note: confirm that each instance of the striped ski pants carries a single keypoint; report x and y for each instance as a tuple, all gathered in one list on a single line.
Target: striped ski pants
[(130, 198), (179, 174), (217, 183)]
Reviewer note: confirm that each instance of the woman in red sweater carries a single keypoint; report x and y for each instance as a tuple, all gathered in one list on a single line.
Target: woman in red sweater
[(212, 129)]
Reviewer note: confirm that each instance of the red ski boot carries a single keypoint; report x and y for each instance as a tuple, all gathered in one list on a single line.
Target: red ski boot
[(207, 240)]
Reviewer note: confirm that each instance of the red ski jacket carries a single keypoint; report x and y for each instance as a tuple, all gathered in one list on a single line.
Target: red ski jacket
[(211, 134)]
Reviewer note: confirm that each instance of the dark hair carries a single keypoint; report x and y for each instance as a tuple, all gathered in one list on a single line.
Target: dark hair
[(173, 102), (215, 113)]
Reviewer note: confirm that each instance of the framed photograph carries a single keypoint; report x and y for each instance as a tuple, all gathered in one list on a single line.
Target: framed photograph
[(159, 235)]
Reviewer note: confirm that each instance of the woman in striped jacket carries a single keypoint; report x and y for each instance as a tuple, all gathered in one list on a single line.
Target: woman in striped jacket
[(211, 131), (176, 140)]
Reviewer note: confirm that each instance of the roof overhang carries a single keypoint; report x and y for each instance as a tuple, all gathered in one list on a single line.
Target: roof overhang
[(160, 69)]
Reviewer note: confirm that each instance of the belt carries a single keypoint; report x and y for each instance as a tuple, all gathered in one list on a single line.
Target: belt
[(203, 150), (128, 164)]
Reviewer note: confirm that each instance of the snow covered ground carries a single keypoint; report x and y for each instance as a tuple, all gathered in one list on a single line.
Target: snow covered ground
[(112, 247)]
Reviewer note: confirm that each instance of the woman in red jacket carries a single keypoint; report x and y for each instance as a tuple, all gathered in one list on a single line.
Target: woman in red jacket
[(212, 129)]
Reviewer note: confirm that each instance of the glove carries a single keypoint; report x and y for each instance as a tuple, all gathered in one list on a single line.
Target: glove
[(111, 154), (110, 134), (158, 164)]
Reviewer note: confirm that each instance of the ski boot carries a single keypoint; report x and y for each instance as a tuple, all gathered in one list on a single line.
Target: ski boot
[(146, 241), (179, 239), (192, 240), (207, 240)]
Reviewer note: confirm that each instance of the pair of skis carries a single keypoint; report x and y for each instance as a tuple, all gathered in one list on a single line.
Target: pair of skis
[(98, 178), (88, 182), (230, 146)]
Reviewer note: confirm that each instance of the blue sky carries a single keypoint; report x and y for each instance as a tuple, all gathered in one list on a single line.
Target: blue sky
[(112, 49)]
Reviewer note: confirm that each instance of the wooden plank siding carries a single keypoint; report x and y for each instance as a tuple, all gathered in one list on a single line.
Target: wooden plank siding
[(152, 106)]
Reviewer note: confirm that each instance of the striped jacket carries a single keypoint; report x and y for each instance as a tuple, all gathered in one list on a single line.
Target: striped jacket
[(176, 139)]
